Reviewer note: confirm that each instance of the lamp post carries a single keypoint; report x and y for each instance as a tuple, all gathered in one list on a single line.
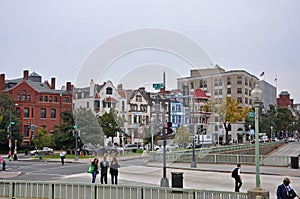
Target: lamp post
[(10, 138), (164, 180), (256, 95), (272, 133), (193, 164)]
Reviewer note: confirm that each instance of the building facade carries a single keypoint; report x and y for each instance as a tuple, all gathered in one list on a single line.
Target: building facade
[(218, 84), (38, 103)]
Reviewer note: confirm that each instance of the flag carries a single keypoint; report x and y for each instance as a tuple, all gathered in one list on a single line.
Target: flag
[(262, 74)]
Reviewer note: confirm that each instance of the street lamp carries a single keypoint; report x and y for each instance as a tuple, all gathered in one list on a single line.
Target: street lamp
[(193, 164), (256, 95), (164, 180), (272, 133), (10, 129)]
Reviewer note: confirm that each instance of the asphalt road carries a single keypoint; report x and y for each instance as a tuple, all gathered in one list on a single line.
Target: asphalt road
[(135, 172)]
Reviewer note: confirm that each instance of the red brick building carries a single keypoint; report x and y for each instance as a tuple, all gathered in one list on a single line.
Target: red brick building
[(37, 102), (284, 100)]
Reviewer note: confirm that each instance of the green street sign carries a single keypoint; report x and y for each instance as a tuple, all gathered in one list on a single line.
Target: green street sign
[(12, 123), (251, 114), (158, 86)]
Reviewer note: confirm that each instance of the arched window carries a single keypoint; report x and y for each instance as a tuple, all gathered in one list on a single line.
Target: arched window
[(108, 91)]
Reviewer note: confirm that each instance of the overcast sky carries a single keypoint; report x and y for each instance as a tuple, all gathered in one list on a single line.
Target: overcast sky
[(56, 38)]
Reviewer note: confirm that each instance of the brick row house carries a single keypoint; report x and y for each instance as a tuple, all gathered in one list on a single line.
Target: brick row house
[(38, 103)]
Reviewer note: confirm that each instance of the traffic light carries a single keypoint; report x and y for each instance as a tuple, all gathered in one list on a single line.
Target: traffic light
[(169, 127)]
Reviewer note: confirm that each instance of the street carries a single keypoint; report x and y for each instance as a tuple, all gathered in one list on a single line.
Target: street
[(135, 172)]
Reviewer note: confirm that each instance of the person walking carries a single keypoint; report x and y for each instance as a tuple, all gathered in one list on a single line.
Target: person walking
[(236, 174), (62, 157), (114, 170), (285, 191), (104, 164), (96, 171)]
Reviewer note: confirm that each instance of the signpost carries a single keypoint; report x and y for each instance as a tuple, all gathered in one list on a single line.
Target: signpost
[(251, 114), (158, 86)]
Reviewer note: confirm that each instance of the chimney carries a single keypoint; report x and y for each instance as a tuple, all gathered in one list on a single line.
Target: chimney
[(120, 86), (142, 88), (26, 74), (53, 83), (2, 82), (69, 86)]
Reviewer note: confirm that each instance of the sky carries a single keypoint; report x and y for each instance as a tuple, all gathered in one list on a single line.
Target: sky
[(133, 42)]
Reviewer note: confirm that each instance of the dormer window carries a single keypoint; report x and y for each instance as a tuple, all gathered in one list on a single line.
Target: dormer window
[(108, 91), (138, 98)]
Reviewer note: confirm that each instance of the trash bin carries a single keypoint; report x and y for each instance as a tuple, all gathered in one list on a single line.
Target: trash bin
[(295, 162), (177, 179)]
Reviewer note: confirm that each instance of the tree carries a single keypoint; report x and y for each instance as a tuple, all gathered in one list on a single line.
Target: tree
[(182, 136), (63, 133), (90, 131), (42, 139), (108, 123), (7, 114), (229, 113)]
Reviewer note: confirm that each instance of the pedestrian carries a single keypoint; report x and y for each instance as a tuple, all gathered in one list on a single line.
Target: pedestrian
[(236, 174), (96, 171), (62, 157), (3, 165), (114, 166), (104, 164), (285, 190), (15, 155)]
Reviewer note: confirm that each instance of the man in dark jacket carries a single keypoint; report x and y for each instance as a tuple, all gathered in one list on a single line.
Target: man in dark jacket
[(285, 191), (236, 174), (104, 167)]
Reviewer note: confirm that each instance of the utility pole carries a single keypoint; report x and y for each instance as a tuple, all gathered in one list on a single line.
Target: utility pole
[(164, 181)]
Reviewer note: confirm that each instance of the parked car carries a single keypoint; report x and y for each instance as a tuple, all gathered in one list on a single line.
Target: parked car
[(172, 146), (190, 145), (44, 151), (131, 147), (290, 139)]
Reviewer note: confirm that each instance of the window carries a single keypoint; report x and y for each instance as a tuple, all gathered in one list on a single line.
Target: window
[(26, 131), (138, 98), (50, 99), (192, 85), (18, 111), (28, 98), (23, 95), (108, 91), (97, 104), (246, 81), (19, 97), (41, 98), (46, 98), (123, 106), (240, 99), (144, 108), (216, 83), (43, 113), (228, 80), (228, 90), (66, 99), (239, 90), (55, 99), (26, 112), (246, 100), (53, 114), (220, 92), (220, 82), (239, 80), (246, 91), (201, 84), (87, 104)]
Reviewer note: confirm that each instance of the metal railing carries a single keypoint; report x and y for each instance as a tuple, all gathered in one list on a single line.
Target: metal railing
[(212, 155), (55, 190)]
